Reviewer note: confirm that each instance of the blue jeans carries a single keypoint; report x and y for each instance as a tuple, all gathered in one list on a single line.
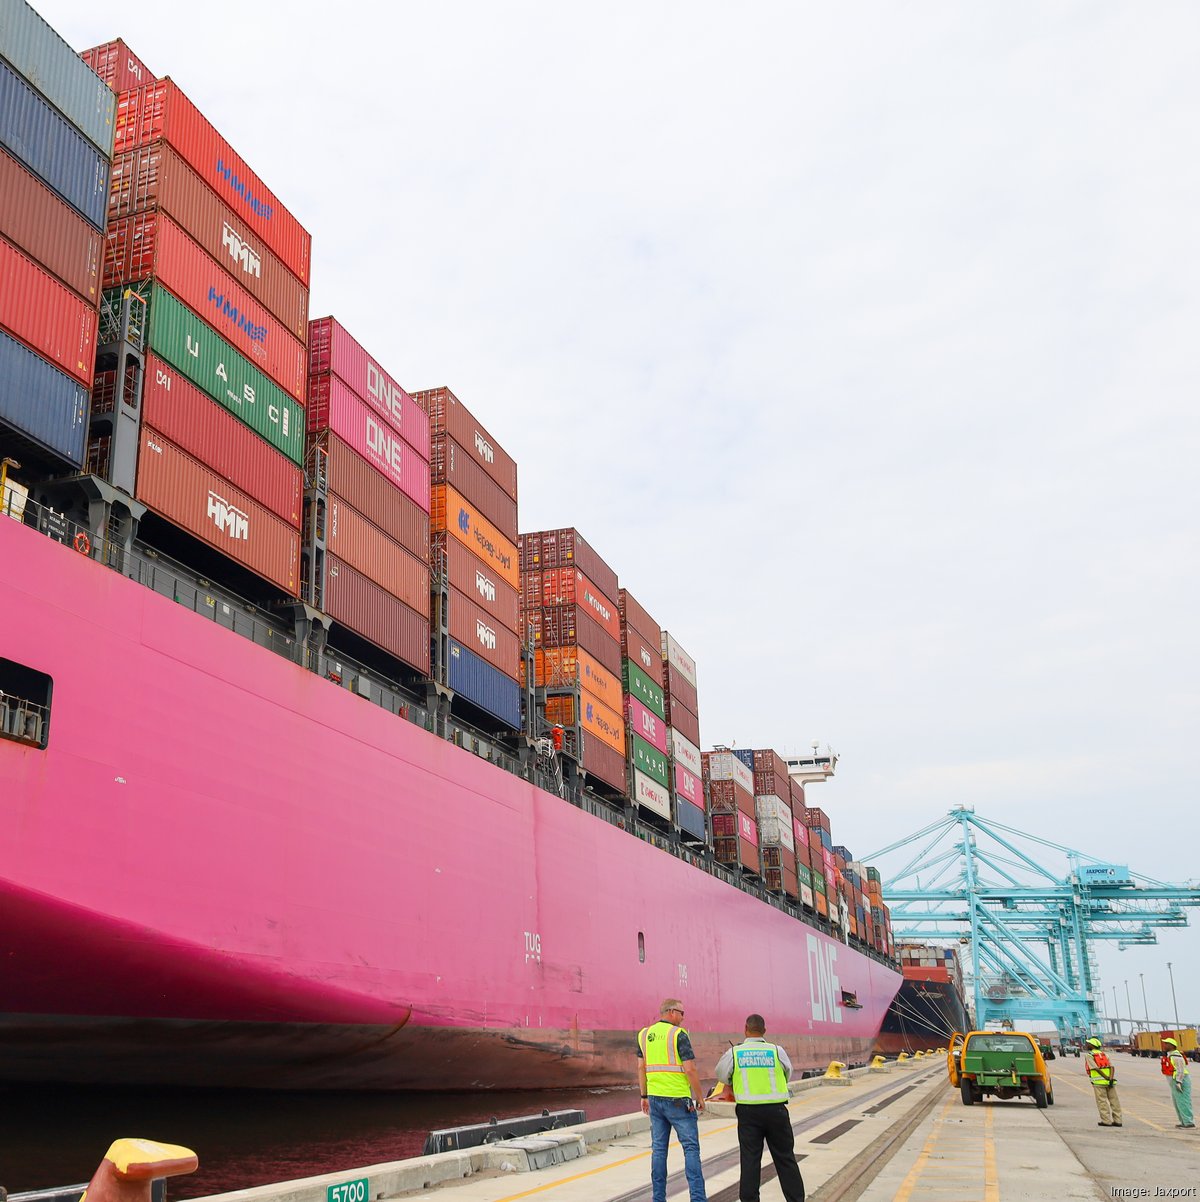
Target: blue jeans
[(665, 1114)]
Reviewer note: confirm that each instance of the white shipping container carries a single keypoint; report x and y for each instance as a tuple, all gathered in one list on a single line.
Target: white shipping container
[(674, 654), (767, 805), (806, 896), (724, 765), (650, 794), (772, 832), (685, 752)]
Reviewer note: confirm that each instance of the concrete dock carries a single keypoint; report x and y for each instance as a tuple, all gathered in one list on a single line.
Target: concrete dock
[(886, 1136)]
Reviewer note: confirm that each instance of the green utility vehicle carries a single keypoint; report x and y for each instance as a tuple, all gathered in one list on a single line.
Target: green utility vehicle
[(1008, 1064)]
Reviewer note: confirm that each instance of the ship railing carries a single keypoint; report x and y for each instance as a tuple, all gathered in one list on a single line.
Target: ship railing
[(22, 720)]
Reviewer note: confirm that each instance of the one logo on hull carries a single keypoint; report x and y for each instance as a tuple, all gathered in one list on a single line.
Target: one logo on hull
[(824, 987)]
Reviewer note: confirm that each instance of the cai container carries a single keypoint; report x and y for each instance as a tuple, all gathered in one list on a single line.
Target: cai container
[(471, 576), (40, 54), (372, 438), (42, 403), (365, 609), (481, 633), (190, 495), (482, 685), (46, 315), (211, 435), (53, 149), (639, 684), (155, 178), (160, 110), (332, 351), (452, 465), (651, 795), (648, 725), (153, 245), (49, 231), (349, 476), (449, 416), (384, 562), (450, 511), (689, 817), (117, 65), (186, 342)]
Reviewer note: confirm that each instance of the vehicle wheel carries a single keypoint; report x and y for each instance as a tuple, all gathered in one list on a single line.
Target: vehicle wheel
[(1039, 1094), (968, 1094), (1050, 1098)]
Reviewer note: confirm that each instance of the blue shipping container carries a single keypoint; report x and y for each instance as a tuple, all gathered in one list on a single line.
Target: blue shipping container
[(53, 149), (746, 756), (40, 402), (690, 818), (476, 681), (39, 53)]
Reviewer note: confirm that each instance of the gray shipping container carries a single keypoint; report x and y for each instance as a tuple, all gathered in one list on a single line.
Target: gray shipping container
[(39, 401), (39, 54)]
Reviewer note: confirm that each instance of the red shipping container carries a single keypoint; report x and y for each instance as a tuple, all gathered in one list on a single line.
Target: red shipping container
[(376, 442), (475, 579), (452, 465), (725, 796), (156, 177), (448, 415), (818, 819), (681, 690), (724, 825), (328, 393), (190, 495), (117, 65), (348, 476), (380, 559), (210, 434), (567, 548), (331, 350), (482, 634), (778, 856), (634, 618), (363, 607), (160, 110), (46, 315), (152, 245), (643, 653), (605, 764), (48, 230), (736, 853), (569, 586), (683, 721), (569, 626)]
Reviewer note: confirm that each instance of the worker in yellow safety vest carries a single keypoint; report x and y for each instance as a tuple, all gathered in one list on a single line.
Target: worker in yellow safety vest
[(758, 1071), (1175, 1066), (1102, 1073), (671, 1095)]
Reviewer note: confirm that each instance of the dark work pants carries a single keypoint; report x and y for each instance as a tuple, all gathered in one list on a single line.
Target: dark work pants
[(768, 1122)]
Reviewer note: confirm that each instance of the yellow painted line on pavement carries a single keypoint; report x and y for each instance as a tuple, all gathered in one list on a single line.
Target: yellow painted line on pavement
[(991, 1179), (1125, 1111), (914, 1174)]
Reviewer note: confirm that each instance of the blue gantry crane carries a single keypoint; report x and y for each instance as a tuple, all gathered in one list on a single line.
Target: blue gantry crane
[(1031, 930)]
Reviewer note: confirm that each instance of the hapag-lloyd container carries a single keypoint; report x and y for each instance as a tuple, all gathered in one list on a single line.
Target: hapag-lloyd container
[(648, 725), (155, 177), (690, 818), (685, 752), (569, 586), (675, 655), (373, 439), (118, 66), (42, 56), (354, 480), (368, 550), (567, 548), (595, 718), (451, 511), (479, 683), (153, 245), (481, 633), (48, 230), (564, 665), (52, 148), (651, 795), (688, 785), (212, 435), (331, 350), (188, 344), (327, 392), (160, 110), (452, 465), (470, 575), (46, 315), (364, 608), (192, 496), (649, 760), (448, 415), (638, 684), (41, 402)]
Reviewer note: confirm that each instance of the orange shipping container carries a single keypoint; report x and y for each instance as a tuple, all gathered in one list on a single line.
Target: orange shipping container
[(565, 665), (454, 513), (596, 719)]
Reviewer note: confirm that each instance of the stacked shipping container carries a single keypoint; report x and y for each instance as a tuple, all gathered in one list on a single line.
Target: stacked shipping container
[(568, 603), (773, 811), (683, 735), (56, 140), (645, 712), (474, 545), (730, 788), (368, 441)]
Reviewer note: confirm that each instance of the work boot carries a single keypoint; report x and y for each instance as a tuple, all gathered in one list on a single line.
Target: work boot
[(1104, 1124)]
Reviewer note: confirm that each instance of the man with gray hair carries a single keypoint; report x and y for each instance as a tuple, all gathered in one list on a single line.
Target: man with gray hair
[(758, 1071), (671, 1096)]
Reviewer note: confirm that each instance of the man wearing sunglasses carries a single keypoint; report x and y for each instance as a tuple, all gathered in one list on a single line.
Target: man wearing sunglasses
[(671, 1096)]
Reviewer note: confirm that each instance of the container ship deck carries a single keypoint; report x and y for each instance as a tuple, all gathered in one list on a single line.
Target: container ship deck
[(929, 1006)]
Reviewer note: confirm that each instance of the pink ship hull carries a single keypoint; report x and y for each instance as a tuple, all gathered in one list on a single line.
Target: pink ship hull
[(223, 869)]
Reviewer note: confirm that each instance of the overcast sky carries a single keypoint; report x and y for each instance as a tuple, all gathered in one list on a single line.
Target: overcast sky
[(860, 339)]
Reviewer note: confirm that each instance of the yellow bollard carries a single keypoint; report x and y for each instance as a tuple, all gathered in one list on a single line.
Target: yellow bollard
[(130, 1165), (833, 1074), (918, 1055), (879, 1065)]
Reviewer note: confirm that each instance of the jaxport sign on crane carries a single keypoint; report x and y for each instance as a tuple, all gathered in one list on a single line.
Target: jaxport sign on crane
[(1031, 931)]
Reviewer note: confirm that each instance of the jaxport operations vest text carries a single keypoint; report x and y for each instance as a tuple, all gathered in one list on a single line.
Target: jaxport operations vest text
[(758, 1076), (665, 1076)]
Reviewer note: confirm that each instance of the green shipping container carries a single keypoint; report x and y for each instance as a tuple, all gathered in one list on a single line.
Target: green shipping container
[(873, 875), (187, 343), (638, 684), (35, 51), (648, 759), (805, 874), (819, 882)]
